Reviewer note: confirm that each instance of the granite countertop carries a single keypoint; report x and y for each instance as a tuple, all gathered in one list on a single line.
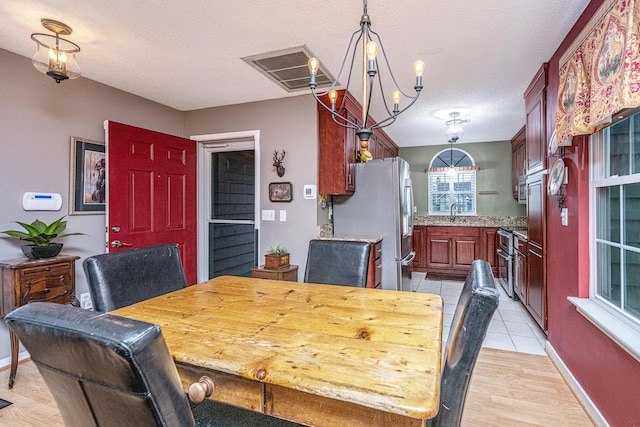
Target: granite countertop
[(353, 238), (472, 221)]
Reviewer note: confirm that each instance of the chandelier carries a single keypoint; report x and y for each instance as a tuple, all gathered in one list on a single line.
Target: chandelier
[(55, 56), (367, 38)]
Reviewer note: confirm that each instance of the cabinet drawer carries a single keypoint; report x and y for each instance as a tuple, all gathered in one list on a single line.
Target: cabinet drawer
[(48, 283), (228, 389), (520, 245)]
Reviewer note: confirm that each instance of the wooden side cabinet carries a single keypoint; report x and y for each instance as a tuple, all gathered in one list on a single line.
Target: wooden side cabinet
[(288, 273), (535, 131), (23, 281)]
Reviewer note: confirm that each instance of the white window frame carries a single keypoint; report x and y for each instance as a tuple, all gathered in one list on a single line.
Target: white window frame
[(442, 154), (619, 325)]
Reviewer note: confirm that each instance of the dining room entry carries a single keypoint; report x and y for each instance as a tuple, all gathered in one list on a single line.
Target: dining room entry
[(228, 176)]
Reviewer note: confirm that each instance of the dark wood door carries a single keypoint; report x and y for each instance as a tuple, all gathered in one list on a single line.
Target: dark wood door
[(535, 134), (536, 295), (419, 247), (518, 159), (536, 255), (489, 247), (151, 192), (439, 253), (465, 250)]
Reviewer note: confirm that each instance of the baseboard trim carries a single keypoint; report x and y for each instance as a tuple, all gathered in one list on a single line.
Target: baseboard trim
[(6, 362), (576, 388)]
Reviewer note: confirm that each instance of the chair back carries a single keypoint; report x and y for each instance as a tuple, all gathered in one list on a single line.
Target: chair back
[(478, 301), (102, 370), (338, 262), (118, 279)]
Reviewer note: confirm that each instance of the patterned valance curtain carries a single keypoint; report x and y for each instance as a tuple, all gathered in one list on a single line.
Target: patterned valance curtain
[(457, 169), (600, 72)]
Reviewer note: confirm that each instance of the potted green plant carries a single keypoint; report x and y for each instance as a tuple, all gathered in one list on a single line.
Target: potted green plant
[(276, 258), (41, 236)]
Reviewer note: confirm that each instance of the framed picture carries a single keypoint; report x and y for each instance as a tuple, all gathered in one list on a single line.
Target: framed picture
[(88, 179), (280, 192)]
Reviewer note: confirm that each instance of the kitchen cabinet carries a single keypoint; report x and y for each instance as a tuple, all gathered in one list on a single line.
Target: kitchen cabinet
[(536, 300), (384, 146), (489, 247), (520, 268), (23, 281), (452, 249), (339, 147), (338, 150), (420, 247), (518, 159), (374, 274), (535, 102)]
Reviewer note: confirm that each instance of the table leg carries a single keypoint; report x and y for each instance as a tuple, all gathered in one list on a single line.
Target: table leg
[(15, 345)]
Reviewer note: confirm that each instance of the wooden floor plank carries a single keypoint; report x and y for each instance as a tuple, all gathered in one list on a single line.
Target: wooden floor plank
[(507, 389)]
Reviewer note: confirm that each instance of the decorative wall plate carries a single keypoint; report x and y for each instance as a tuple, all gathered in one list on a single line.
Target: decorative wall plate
[(556, 177)]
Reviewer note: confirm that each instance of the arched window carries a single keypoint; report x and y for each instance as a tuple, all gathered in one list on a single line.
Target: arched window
[(452, 183)]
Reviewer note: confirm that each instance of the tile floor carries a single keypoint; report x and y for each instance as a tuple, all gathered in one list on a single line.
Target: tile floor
[(511, 328)]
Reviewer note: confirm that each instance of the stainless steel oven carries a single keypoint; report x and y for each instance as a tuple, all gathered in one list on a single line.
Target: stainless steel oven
[(505, 260)]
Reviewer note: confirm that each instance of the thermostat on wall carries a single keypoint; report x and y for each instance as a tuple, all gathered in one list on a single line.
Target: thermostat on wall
[(309, 191), (41, 201)]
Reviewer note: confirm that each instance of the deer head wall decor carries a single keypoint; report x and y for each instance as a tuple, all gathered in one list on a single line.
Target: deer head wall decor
[(277, 162)]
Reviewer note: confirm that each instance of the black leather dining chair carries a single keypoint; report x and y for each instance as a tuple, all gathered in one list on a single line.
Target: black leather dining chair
[(105, 370), (338, 262), (118, 279), (478, 302)]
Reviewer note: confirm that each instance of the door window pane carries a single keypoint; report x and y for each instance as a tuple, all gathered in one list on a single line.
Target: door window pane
[(232, 186), (232, 249)]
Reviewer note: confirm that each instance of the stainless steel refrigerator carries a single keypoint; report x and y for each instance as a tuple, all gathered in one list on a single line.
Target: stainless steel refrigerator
[(382, 205)]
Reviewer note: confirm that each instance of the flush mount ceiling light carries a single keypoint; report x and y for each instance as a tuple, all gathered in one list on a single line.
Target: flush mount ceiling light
[(454, 130), (365, 37), (56, 57)]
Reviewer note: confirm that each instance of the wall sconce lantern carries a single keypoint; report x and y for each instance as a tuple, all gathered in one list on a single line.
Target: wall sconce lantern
[(55, 56)]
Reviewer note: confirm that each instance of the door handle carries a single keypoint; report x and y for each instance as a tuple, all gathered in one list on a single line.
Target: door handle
[(119, 244)]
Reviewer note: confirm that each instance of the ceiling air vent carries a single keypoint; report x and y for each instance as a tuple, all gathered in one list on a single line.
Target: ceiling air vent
[(288, 68)]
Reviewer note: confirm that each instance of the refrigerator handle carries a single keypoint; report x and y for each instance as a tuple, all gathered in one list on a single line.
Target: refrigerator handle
[(409, 208), (408, 259)]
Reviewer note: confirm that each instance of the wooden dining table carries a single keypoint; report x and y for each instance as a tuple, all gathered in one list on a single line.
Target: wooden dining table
[(319, 355)]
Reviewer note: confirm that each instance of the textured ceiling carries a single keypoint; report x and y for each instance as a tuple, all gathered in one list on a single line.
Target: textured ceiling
[(480, 54)]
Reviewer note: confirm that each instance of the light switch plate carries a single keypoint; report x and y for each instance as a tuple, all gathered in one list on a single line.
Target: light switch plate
[(268, 215), (283, 215)]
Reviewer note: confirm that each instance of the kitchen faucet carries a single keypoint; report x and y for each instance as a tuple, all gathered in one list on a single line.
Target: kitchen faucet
[(452, 214)]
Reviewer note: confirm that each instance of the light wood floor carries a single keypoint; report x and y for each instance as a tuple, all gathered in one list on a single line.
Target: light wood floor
[(507, 389)]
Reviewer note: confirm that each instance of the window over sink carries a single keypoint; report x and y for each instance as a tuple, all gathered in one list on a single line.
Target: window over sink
[(452, 183)]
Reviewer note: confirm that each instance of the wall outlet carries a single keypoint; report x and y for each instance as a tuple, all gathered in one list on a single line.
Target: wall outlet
[(85, 301), (564, 216)]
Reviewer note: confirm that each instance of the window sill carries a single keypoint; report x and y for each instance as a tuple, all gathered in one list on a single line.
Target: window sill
[(620, 332)]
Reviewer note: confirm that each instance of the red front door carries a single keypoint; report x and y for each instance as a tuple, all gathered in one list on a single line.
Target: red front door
[(151, 192)]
